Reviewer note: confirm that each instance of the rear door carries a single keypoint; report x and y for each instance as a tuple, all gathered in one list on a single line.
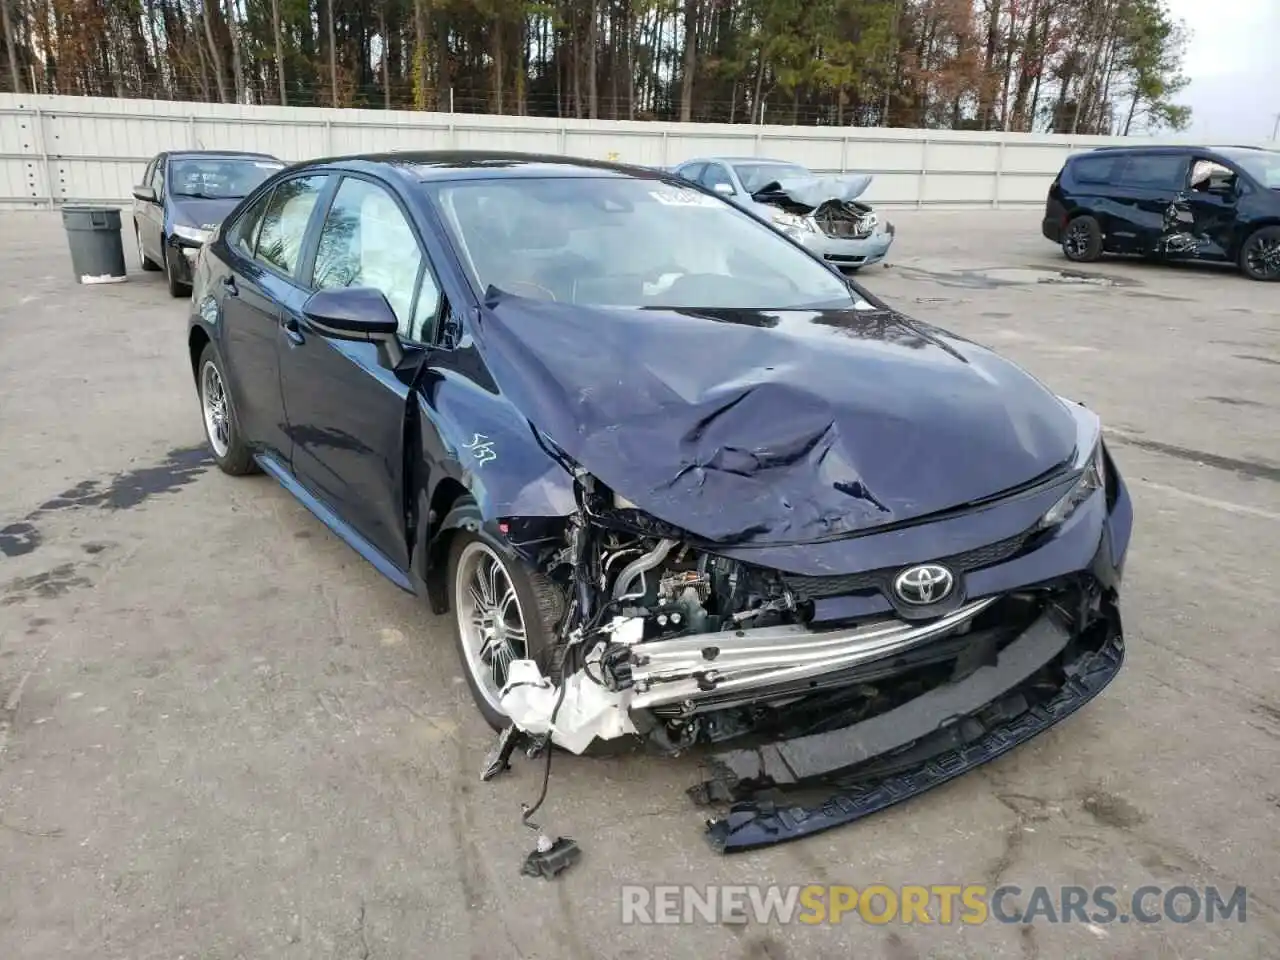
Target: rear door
[(264, 247), (346, 408), (1150, 188)]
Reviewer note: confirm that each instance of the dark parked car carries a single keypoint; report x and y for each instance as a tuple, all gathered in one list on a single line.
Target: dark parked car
[(673, 476), (1207, 203), (181, 200)]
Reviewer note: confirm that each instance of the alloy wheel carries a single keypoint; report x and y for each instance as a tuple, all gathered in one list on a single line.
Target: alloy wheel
[(1263, 257), (217, 414), (490, 619), (1077, 241)]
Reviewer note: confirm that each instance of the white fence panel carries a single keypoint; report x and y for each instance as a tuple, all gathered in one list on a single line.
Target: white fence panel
[(56, 150)]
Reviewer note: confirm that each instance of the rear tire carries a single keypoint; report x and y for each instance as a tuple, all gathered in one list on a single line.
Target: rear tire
[(1260, 254), (501, 610), (1082, 240), (221, 426)]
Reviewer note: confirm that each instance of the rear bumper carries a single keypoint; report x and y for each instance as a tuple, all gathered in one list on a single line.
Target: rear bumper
[(1042, 677), (1051, 227)]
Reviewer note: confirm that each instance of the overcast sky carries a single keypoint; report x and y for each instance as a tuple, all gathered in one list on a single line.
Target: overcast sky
[(1233, 61)]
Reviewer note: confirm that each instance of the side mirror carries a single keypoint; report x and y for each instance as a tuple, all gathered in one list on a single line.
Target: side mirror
[(355, 313), (724, 189), (145, 193)]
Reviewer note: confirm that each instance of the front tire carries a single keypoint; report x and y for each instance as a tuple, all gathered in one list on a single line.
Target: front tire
[(1082, 241), (221, 428), (502, 611), (1260, 254)]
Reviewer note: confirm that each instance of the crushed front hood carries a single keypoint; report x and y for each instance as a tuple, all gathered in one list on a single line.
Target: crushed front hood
[(815, 191), (772, 427)]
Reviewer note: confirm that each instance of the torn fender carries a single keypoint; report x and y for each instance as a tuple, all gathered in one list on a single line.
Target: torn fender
[(485, 444), (815, 191)]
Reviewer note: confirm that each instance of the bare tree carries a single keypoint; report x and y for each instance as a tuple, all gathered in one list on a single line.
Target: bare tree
[(275, 30), (11, 44)]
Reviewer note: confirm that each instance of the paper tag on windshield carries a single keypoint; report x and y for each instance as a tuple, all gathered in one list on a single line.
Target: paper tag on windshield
[(269, 166), (670, 196)]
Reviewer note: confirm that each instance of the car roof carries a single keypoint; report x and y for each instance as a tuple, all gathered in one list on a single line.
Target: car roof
[(789, 163), (224, 154), (437, 165), (1170, 148)]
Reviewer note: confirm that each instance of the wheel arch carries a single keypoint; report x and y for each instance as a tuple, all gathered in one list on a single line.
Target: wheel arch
[(1247, 230), (197, 339)]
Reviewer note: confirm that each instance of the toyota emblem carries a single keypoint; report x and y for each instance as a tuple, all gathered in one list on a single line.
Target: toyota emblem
[(926, 583)]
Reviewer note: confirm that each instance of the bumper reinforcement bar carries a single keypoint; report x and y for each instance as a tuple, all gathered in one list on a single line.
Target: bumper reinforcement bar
[(690, 668)]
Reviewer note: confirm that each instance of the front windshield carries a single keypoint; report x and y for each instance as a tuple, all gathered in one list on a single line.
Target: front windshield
[(1262, 165), (622, 242), (219, 178), (757, 176)]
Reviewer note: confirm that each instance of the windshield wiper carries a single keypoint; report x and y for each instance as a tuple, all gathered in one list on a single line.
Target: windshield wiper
[(209, 196)]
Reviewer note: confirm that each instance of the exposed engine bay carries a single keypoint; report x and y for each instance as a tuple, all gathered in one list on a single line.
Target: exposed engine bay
[(670, 643)]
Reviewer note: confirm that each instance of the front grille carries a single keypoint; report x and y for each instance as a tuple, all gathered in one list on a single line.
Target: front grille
[(814, 588)]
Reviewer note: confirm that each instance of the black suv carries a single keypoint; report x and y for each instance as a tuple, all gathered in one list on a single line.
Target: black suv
[(1207, 203)]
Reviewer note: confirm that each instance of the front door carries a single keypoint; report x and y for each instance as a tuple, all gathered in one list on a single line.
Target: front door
[(346, 408), (1212, 196)]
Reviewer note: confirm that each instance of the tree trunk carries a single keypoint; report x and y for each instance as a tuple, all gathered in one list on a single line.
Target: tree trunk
[(333, 56), (690, 59), (1133, 107), (628, 24), (11, 44), (495, 52), (279, 41), (386, 55), (757, 102), (444, 66), (593, 65), (237, 73), (213, 51)]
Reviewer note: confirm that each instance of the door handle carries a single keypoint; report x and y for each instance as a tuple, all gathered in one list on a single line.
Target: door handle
[(229, 283), (291, 329)]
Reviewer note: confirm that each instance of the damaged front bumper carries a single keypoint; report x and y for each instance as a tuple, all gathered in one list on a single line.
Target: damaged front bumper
[(793, 788), (848, 253)]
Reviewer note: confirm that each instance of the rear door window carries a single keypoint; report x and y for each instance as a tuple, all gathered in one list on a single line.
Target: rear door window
[(1094, 169), (285, 223), (1154, 171)]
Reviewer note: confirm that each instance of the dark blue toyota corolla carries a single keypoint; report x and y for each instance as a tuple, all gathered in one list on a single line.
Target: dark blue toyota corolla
[(674, 480)]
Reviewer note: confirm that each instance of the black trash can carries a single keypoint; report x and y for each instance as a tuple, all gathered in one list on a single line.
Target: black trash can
[(93, 234)]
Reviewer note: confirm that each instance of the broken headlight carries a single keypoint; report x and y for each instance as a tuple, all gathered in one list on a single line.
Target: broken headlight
[(194, 234), (793, 222), (1091, 479)]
